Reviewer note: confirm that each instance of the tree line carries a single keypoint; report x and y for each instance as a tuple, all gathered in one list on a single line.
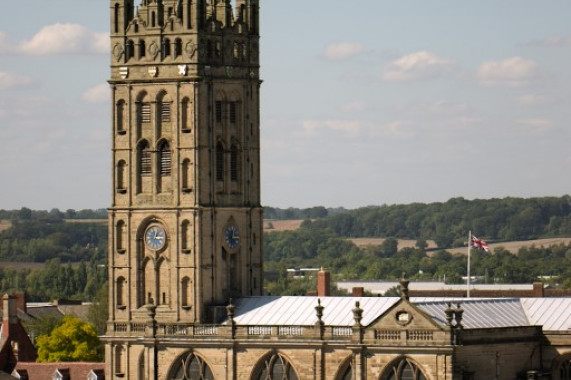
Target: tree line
[(448, 223), (346, 261)]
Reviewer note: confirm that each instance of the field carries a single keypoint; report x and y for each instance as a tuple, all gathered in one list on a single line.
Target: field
[(514, 246), (17, 265), (4, 225), (403, 243), (281, 225)]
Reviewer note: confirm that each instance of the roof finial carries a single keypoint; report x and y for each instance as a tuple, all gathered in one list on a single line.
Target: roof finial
[(404, 287)]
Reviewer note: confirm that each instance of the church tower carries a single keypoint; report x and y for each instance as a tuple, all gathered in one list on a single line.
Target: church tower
[(185, 222)]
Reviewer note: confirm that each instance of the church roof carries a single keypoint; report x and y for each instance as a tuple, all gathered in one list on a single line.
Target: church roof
[(551, 313)]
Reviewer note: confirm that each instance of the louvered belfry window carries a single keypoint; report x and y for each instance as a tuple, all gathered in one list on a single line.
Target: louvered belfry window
[(219, 162), (146, 164), (165, 112), (165, 159), (234, 163), (218, 111), (146, 112), (232, 112)]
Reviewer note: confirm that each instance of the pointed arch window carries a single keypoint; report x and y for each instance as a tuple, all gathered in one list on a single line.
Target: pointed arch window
[(142, 49), (130, 49), (145, 112), (234, 163), (219, 162), (218, 111), (165, 158), (190, 367), (275, 367), (145, 164), (165, 111), (166, 47), (232, 112), (177, 47), (403, 369)]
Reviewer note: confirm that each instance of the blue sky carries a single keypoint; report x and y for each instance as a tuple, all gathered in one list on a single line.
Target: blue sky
[(364, 102)]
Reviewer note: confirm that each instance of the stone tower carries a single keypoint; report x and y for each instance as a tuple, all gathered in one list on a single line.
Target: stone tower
[(185, 224)]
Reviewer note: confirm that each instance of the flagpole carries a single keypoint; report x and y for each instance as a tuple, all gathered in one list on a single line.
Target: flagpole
[(469, 247)]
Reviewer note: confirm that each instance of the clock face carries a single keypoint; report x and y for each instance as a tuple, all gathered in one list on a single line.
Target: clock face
[(232, 237), (155, 238)]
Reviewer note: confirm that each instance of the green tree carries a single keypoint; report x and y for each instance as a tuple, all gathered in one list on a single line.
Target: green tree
[(98, 312), (74, 340)]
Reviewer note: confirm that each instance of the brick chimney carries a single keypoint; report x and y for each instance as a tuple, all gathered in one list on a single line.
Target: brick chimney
[(358, 291), (323, 283), (9, 315), (537, 291)]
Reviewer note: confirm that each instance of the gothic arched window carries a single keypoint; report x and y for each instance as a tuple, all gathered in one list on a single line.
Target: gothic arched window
[(165, 158), (142, 48), (166, 47), (403, 369), (219, 162), (191, 367), (129, 49), (234, 163), (145, 164), (177, 47), (274, 367)]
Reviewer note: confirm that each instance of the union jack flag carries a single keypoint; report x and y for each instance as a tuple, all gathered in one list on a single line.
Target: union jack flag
[(480, 244)]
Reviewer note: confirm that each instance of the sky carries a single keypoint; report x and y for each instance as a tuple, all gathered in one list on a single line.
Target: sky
[(364, 102)]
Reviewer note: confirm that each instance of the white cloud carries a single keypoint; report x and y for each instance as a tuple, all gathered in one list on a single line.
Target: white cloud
[(512, 72), (342, 50), (533, 99), (65, 39), (553, 41), (536, 125), (356, 106), (399, 128), (421, 65), (97, 94), (12, 81), (351, 128)]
